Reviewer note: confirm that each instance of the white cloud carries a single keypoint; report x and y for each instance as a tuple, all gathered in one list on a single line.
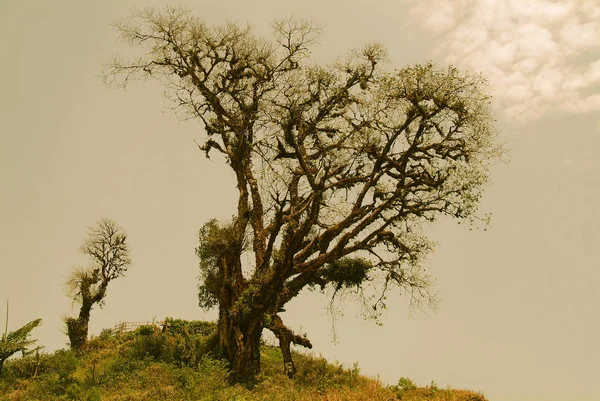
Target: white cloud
[(537, 54), (578, 35), (547, 82)]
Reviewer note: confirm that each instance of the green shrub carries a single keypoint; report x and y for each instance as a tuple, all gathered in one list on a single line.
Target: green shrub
[(26, 367), (112, 371), (319, 374), (405, 384), (106, 339), (62, 363), (145, 330), (94, 394), (181, 344), (74, 391), (189, 327), (54, 376), (206, 380)]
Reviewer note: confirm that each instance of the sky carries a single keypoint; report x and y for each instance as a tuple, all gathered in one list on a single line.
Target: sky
[(519, 318)]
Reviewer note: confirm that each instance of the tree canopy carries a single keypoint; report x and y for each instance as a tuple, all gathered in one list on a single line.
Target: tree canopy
[(337, 166)]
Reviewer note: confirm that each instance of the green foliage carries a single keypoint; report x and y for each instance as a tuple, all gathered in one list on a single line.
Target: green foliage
[(407, 390), (15, 341), (210, 375), (106, 335), (94, 395), (106, 339), (346, 273), (62, 363), (405, 384), (111, 370), (213, 241), (183, 343), (180, 326), (77, 330), (19, 339), (319, 373), (52, 376), (74, 391)]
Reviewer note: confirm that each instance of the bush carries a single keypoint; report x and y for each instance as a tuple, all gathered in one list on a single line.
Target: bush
[(145, 330), (210, 376), (189, 327), (404, 386), (317, 372), (62, 363), (106, 339), (182, 343)]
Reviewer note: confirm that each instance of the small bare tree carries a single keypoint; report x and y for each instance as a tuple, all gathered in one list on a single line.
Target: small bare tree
[(106, 245)]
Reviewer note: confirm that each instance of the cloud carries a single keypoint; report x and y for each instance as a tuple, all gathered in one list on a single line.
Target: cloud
[(539, 55)]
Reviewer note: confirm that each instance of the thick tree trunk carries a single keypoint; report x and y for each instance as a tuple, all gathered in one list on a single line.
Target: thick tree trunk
[(239, 343), (77, 328), (77, 331)]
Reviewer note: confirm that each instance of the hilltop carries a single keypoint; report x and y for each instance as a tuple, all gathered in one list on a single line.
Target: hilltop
[(151, 364)]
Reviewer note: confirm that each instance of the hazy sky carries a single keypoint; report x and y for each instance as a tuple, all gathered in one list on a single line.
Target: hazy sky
[(520, 313)]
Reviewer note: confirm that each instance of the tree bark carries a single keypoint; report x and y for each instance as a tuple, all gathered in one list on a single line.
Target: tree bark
[(239, 343), (286, 338), (77, 328)]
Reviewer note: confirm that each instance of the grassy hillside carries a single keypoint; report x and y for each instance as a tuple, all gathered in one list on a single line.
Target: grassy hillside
[(148, 364)]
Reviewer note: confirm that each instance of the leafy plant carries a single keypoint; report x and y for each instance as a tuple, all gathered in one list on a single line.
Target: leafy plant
[(17, 340), (182, 343)]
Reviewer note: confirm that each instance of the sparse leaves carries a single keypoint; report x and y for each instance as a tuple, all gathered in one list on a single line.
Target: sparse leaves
[(106, 245)]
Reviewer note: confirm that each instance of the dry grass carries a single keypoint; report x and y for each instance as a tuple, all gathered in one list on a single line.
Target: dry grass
[(434, 394)]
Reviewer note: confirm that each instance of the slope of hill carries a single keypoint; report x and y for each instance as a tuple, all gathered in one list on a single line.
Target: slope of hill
[(149, 364)]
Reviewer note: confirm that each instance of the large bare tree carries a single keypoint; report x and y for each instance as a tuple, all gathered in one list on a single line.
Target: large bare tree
[(106, 245), (337, 166)]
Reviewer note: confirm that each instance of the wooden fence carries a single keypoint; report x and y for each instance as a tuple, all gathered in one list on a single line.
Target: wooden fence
[(124, 327)]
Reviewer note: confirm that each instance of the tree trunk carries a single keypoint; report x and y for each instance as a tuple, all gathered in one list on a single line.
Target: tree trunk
[(77, 328), (239, 343)]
